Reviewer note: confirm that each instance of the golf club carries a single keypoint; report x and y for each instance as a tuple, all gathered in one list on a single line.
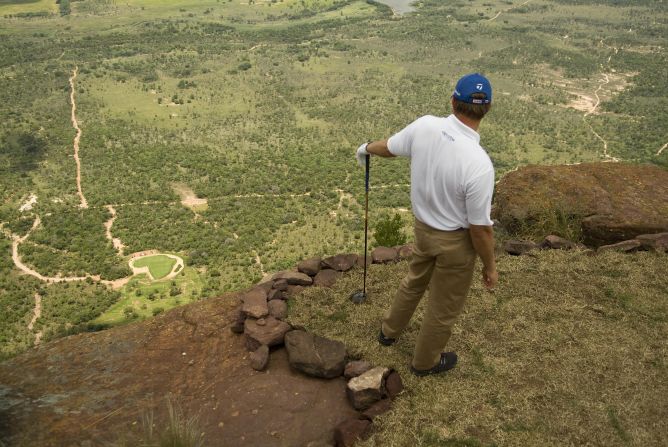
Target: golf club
[(359, 296)]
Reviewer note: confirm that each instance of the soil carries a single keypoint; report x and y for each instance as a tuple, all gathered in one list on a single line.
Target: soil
[(91, 388), (77, 138)]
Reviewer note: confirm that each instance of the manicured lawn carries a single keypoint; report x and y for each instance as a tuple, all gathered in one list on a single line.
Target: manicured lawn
[(158, 265)]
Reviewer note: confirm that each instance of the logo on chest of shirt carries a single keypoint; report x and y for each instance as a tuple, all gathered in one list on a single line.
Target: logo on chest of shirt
[(447, 135)]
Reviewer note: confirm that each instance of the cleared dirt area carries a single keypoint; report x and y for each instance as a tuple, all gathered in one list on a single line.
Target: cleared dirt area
[(188, 197)]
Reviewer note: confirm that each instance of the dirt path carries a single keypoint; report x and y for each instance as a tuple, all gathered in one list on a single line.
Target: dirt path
[(36, 314), (602, 82), (258, 261), (118, 245), (662, 148), (506, 10), (77, 138)]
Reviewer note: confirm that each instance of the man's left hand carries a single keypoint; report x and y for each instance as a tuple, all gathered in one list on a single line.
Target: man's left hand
[(361, 155)]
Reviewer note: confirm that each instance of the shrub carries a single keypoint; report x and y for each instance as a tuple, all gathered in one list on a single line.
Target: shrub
[(389, 231)]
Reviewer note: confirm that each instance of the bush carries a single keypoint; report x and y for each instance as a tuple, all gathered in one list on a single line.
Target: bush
[(389, 231)]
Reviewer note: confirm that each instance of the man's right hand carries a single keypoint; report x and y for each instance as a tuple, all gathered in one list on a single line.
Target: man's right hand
[(490, 278)]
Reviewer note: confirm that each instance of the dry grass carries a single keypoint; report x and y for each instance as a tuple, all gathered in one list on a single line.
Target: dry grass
[(569, 350)]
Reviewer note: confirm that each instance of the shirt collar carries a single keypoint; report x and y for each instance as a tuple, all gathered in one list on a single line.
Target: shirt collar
[(463, 128)]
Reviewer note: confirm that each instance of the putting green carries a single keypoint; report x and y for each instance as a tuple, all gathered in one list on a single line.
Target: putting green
[(158, 265)]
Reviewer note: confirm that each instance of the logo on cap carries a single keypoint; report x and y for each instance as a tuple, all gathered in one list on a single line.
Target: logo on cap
[(478, 86)]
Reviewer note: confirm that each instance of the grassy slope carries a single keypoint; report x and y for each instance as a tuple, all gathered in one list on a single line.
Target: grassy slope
[(570, 349)]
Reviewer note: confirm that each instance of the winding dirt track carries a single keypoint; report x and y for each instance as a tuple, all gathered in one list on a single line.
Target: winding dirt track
[(77, 138), (116, 242), (36, 314), (506, 10), (662, 148)]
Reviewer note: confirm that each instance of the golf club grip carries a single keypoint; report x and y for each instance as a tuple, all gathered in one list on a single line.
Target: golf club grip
[(366, 172)]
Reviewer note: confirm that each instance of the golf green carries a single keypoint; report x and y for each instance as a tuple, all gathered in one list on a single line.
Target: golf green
[(158, 265)]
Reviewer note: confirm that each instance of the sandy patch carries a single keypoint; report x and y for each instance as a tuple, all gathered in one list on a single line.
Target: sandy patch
[(188, 197), (27, 206)]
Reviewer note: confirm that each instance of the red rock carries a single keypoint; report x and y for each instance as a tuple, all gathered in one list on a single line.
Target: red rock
[(611, 202), (238, 319), (393, 384), (294, 278), (255, 303), (380, 407), (350, 431), (280, 284), (624, 246), (271, 333), (368, 388), (340, 263), (311, 266), (384, 255), (326, 278), (655, 242), (356, 368), (558, 243), (278, 309), (516, 248), (260, 358)]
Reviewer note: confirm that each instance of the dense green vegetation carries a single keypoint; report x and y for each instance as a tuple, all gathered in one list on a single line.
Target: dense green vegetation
[(258, 107)]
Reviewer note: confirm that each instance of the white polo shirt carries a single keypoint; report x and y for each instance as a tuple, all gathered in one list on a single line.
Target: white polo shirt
[(452, 177)]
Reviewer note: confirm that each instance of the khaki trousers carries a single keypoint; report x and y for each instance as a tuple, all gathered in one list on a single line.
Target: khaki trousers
[(444, 260)]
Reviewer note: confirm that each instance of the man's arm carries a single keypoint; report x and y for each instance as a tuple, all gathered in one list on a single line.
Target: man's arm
[(379, 148), (482, 237)]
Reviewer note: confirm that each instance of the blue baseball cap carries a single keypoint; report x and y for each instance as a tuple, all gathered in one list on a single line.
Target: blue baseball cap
[(470, 84)]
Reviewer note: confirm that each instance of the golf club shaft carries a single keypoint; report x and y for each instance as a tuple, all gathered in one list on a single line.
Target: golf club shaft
[(366, 214)]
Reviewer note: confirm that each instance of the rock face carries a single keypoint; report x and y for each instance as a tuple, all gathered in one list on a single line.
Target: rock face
[(238, 319), (340, 263), (368, 388), (384, 255), (656, 242), (625, 246), (315, 356), (613, 202), (269, 331), (356, 368), (255, 303)]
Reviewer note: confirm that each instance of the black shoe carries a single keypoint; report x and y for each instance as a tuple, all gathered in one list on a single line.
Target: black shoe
[(447, 362), (383, 340)]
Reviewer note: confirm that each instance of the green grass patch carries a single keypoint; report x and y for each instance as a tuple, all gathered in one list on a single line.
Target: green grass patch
[(159, 265), (555, 356), (142, 298)]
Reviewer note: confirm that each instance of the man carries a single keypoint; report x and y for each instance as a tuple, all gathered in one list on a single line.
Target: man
[(452, 180)]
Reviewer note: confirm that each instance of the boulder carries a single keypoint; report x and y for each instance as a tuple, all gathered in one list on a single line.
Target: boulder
[(516, 248), (310, 267), (268, 331), (655, 242), (368, 388), (393, 384), (624, 246), (380, 407), (356, 368), (384, 255), (278, 309), (280, 284), (275, 294), (326, 278), (315, 356), (255, 303), (340, 263), (238, 319), (350, 431), (557, 243), (405, 251), (260, 358), (294, 278), (609, 202)]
